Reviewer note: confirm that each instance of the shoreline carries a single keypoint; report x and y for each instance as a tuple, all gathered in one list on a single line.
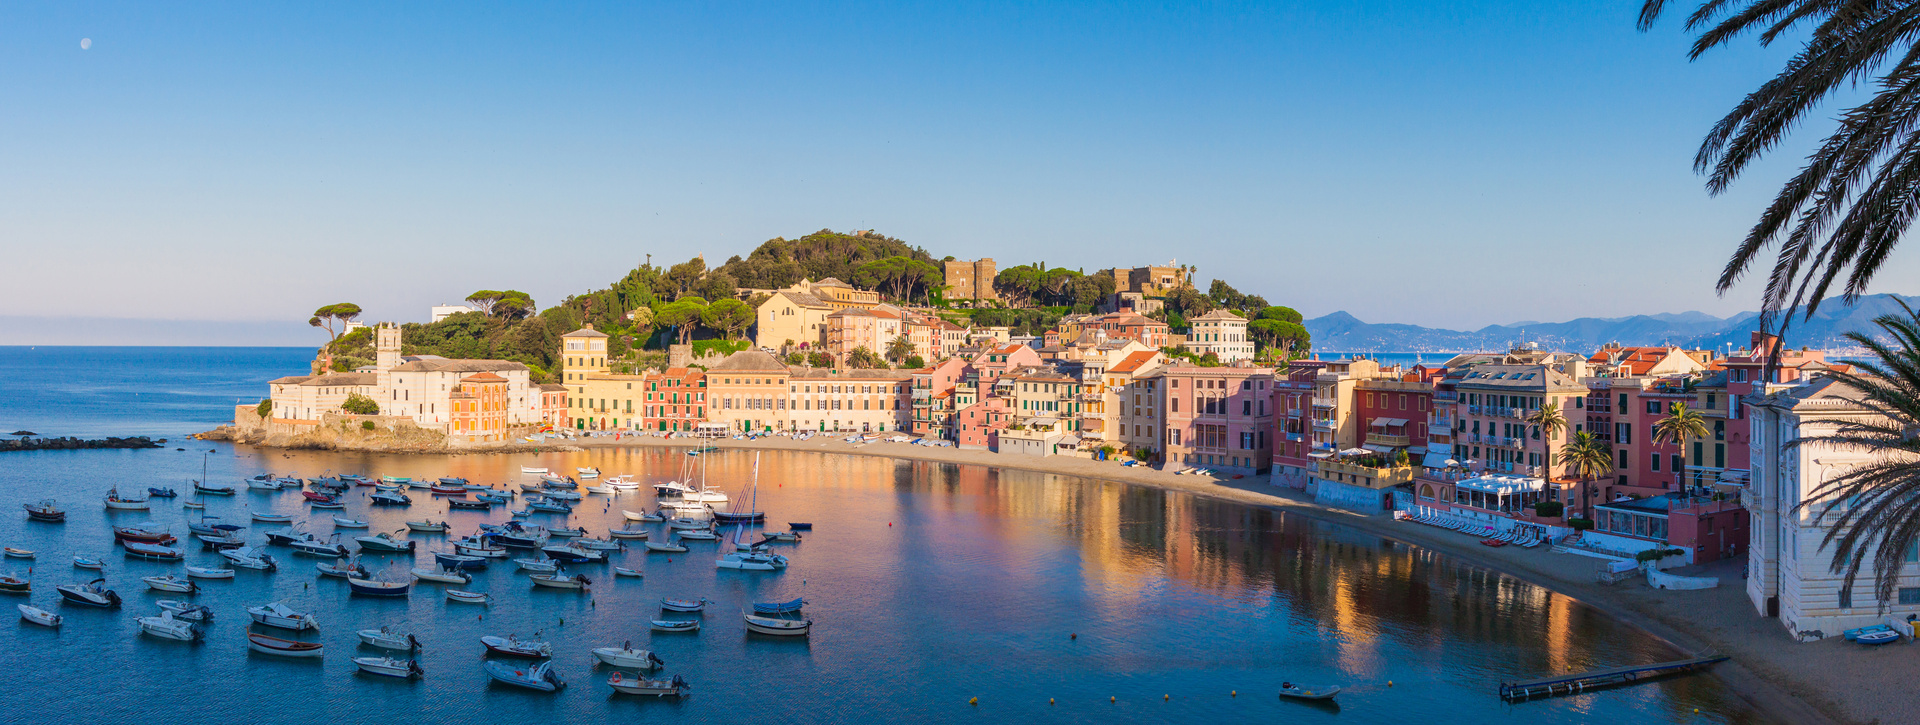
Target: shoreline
[(1766, 680)]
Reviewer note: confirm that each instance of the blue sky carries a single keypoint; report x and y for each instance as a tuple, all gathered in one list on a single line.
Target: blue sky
[(1447, 165)]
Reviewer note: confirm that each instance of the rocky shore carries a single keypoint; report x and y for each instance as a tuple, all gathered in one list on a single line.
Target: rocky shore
[(76, 444)]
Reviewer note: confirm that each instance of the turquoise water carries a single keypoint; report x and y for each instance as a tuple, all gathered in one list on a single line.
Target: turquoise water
[(929, 584)]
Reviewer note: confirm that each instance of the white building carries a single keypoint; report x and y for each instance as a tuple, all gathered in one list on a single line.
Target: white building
[(419, 387), (441, 312), (1222, 333)]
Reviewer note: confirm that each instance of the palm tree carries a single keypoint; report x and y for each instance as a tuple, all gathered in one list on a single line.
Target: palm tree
[(1682, 424), (1587, 458), (1877, 520), (1548, 422), (1850, 204)]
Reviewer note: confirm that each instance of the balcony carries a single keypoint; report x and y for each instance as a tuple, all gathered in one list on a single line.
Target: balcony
[(1319, 402), (922, 393), (1355, 474), (1091, 397), (1441, 423), (1384, 439), (1473, 410), (1325, 425), (1446, 396)]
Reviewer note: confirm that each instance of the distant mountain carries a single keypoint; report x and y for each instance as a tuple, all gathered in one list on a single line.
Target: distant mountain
[(1345, 333)]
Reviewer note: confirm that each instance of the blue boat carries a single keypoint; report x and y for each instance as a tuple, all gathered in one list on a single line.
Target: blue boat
[(533, 677), (494, 497), (161, 492), (1878, 638), (1856, 632), (787, 607)]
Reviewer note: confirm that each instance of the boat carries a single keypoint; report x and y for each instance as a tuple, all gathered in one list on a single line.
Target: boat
[(212, 490), (272, 518), (355, 479), (265, 644), (287, 536), (479, 547), (192, 505), (316, 497), (384, 542), (376, 588), (328, 505), (602, 490), (427, 526), (389, 498), (675, 625), (85, 562), (629, 534), (312, 546), (116, 503), (742, 517), (552, 481), (454, 481), (592, 544), (389, 667), (548, 505), (454, 490), (799, 526), (642, 516), (499, 498), (1309, 692), (461, 503), (388, 638), (777, 626), (674, 687), (171, 583), (38, 616), (532, 487), (538, 565), (218, 542), (708, 496), (251, 557), (622, 482), (45, 511), (752, 560), (685, 605), (779, 536), (457, 561), (278, 614), (787, 607), (217, 529), (690, 524), (588, 472), (560, 581), (161, 493), (263, 482), (626, 656), (166, 627), (151, 552), (143, 534), (13, 553), (686, 511), (515, 536), (666, 548), (15, 584), (347, 568), (94, 593), (456, 595), (533, 471), (389, 487), (207, 572), (567, 533), (443, 576), (671, 488), (699, 535), (186, 610), (572, 554), (511, 646), (396, 480), (623, 571), (1878, 638), (538, 677), (346, 523)]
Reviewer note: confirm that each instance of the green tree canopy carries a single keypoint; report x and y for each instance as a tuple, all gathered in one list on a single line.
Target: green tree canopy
[(485, 299), (335, 315), (360, 405), (683, 315), (863, 358), (729, 316)]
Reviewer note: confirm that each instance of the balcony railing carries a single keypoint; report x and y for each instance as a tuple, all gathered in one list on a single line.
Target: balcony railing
[(922, 393), (1325, 425), (1473, 409), (1320, 402), (1446, 396), (1441, 423), (1354, 474), (1384, 439)]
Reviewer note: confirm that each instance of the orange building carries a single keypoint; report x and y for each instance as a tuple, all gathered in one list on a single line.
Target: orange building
[(479, 404)]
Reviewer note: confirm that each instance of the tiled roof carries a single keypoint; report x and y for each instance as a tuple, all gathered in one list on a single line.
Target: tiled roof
[(750, 361), (458, 366), (290, 380), (483, 378), (1133, 362), (585, 332), (343, 379)]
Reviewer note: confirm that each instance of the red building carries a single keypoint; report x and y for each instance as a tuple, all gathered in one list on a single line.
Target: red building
[(978, 426), (676, 400)]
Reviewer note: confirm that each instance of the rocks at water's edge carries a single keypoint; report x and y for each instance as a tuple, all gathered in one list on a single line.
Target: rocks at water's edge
[(74, 444)]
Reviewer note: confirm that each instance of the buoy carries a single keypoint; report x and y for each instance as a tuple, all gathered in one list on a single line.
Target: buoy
[(1235, 693), (1166, 697), (974, 702), (1389, 683), (1075, 635), (1110, 698), (1050, 701)]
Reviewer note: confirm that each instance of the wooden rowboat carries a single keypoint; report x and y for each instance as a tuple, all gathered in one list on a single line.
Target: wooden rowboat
[(265, 644)]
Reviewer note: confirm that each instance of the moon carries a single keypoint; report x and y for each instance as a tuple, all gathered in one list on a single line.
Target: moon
[(86, 43)]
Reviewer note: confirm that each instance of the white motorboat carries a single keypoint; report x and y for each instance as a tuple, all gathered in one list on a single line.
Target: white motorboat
[(628, 534), (186, 610), (601, 490), (511, 646), (588, 472), (540, 566), (751, 561), (38, 616), (384, 542), (687, 511), (1309, 692), (94, 594), (572, 554), (166, 626), (443, 576), (278, 614), (341, 522), (685, 605), (348, 568), (567, 533), (666, 547), (626, 656), (623, 571), (622, 483), (427, 526), (533, 471), (674, 687), (778, 627), (538, 677), (86, 562), (13, 553), (560, 581), (264, 482), (642, 516), (592, 544), (171, 583), (250, 557), (266, 644), (672, 488), (455, 595), (698, 535), (690, 524), (388, 638), (207, 572), (272, 518), (476, 546), (389, 667), (709, 496)]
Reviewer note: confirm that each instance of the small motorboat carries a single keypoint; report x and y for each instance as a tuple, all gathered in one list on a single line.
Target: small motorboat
[(453, 481), (592, 544), (666, 548), (479, 547), (312, 546), (115, 502), (548, 505), (464, 597), (623, 571), (685, 605), (690, 524), (461, 503), (15, 584), (388, 638), (675, 625), (560, 581), (340, 522), (743, 517), (143, 534), (622, 483), (1308, 692), (328, 504), (626, 656), (389, 667), (427, 526), (511, 646), (588, 472), (458, 489), (642, 516), (602, 490), (205, 572), (287, 536), (171, 583), (778, 627), (799, 526), (45, 511), (530, 470), (400, 481), (150, 552), (251, 557), (278, 614), (316, 497), (567, 533), (86, 562), (787, 607), (671, 488), (538, 677), (192, 505), (675, 687), (384, 542), (264, 482), (551, 481), (701, 535), (348, 568), (38, 616), (457, 561), (376, 588), (1878, 638), (94, 594), (1854, 634), (217, 542), (266, 518), (355, 479), (212, 490), (628, 534), (161, 493), (539, 566), (166, 626), (572, 554), (390, 498), (284, 647), (389, 487), (499, 498), (186, 610), (750, 561), (443, 576), (13, 553), (786, 537)]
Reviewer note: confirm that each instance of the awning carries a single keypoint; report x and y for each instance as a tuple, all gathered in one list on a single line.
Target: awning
[(1320, 454), (1355, 452), (1070, 441), (1436, 459), (1377, 448), (1416, 450), (1500, 484), (1389, 422)]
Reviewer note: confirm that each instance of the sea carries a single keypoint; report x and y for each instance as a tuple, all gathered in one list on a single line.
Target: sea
[(938, 593)]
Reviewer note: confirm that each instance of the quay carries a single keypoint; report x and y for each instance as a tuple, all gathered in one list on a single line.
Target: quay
[(1576, 683)]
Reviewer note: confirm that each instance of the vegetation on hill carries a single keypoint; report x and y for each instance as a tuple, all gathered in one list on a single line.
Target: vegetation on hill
[(781, 262)]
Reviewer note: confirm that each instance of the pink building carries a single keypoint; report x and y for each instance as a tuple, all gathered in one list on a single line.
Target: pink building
[(1219, 418), (978, 426), (1292, 405), (933, 412)]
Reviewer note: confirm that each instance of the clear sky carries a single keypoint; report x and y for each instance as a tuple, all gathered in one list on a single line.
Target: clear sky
[(1436, 163)]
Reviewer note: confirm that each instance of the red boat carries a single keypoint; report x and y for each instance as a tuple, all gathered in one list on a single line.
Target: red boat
[(125, 534), (317, 497), (1492, 542)]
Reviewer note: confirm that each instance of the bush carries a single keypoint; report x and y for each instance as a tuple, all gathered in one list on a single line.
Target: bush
[(1580, 524), (1657, 554), (360, 405), (264, 409), (366, 425), (1142, 454), (1549, 509), (914, 362), (723, 347)]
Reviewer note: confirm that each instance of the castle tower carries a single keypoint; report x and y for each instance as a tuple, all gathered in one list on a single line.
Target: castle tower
[(386, 346)]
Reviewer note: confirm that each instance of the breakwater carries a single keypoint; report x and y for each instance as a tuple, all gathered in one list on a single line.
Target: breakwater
[(74, 444)]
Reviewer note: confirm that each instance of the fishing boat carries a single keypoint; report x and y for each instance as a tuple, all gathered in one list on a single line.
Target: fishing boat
[(675, 625), (778, 627), (461, 503), (265, 644), (538, 566), (623, 571), (115, 502), (151, 552), (390, 498), (267, 518), (442, 490), (207, 489), (207, 572), (626, 656), (443, 576), (674, 687), (538, 677), (171, 583), (427, 526), (143, 535), (348, 568), (667, 547), (39, 616), (46, 511), (166, 626), (1878, 638), (186, 610), (699, 535), (251, 557), (456, 595), (456, 561), (567, 533), (85, 562), (346, 523), (480, 547), (750, 561), (532, 471), (560, 581), (376, 588), (13, 553), (278, 614), (331, 547), (389, 667), (384, 542), (641, 516), (787, 607), (94, 593), (263, 482), (572, 554), (685, 605), (15, 584), (388, 638), (1309, 692), (628, 534), (511, 646)]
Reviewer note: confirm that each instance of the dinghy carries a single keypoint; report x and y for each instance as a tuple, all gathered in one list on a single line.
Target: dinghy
[(186, 610), (212, 490), (346, 523), (388, 638), (376, 588), (533, 471), (150, 552), (205, 572), (443, 576), (685, 605), (538, 677), (84, 562), (328, 505), (272, 518), (626, 656), (456, 595), (388, 498), (284, 647), (143, 534), (171, 583), (38, 616), (538, 566), (166, 627), (666, 548), (13, 553), (592, 544), (388, 667), (161, 493), (1308, 692), (192, 505), (623, 571), (701, 535), (560, 581), (511, 646), (348, 568), (94, 594), (641, 516), (461, 503), (628, 534), (777, 626), (278, 614), (786, 607), (675, 687), (669, 625), (427, 526), (571, 554), (456, 561), (251, 557)]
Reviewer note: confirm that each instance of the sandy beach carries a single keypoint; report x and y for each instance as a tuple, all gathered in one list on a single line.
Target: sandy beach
[(1823, 682)]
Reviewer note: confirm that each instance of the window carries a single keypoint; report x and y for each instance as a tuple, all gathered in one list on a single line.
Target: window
[(1909, 595), (1656, 463), (1846, 598)]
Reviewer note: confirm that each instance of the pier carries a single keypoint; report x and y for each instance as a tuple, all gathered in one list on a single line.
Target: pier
[(1581, 682)]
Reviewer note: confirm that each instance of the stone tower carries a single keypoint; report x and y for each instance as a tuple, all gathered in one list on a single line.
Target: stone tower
[(386, 355)]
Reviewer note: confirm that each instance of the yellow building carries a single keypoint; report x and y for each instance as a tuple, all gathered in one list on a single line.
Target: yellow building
[(597, 398), (798, 315), (748, 392)]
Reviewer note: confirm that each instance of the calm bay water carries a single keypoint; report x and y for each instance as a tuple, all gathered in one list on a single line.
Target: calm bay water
[(929, 584)]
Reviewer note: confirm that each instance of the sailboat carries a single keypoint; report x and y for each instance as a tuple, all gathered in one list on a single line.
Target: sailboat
[(747, 557), (709, 496)]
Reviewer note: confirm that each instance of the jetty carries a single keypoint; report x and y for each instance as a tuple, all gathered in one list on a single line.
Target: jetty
[(75, 444), (1581, 682)]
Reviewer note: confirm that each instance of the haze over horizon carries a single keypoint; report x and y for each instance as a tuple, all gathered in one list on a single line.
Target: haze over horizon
[(1446, 167)]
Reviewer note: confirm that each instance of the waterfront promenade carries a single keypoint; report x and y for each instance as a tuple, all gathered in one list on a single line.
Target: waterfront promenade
[(1822, 682)]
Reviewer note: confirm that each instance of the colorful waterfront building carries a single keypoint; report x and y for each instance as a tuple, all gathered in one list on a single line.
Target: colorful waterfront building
[(479, 402), (675, 400), (1218, 418), (747, 392)]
